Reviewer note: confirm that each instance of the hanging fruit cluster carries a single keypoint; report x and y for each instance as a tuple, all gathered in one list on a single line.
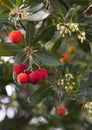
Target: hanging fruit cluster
[(25, 76)]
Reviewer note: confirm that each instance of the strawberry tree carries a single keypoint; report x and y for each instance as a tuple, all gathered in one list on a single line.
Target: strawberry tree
[(50, 44)]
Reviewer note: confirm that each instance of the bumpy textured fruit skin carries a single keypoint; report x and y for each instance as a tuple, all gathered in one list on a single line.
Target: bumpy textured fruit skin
[(65, 58), (22, 78), (60, 111), (35, 77), (43, 72), (19, 68), (15, 36)]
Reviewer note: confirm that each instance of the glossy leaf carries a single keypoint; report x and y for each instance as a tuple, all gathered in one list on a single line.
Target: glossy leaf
[(46, 34), (19, 2), (85, 46), (47, 59), (41, 15), (39, 95), (36, 8), (30, 32), (56, 5), (9, 49), (21, 58), (56, 45)]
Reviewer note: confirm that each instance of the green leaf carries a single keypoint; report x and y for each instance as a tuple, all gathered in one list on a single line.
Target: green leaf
[(21, 58), (73, 13), (56, 5), (7, 3), (36, 8), (47, 59), (85, 46), (46, 34), (79, 2), (56, 45), (19, 2), (40, 15), (3, 19), (30, 31), (87, 81), (39, 95), (9, 49)]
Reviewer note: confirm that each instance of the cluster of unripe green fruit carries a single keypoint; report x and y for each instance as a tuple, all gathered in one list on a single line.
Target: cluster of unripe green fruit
[(33, 77)]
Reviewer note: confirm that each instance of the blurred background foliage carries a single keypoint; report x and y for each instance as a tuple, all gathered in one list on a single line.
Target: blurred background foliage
[(32, 107)]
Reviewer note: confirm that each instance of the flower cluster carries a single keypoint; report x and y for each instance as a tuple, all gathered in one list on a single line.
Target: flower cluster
[(88, 108), (18, 13), (69, 28), (68, 82)]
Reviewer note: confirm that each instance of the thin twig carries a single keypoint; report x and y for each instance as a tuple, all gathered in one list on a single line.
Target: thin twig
[(86, 10)]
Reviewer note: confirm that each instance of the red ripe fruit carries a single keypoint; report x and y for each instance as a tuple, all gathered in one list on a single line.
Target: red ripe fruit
[(22, 78), (43, 73), (60, 111), (19, 68), (15, 36), (35, 77)]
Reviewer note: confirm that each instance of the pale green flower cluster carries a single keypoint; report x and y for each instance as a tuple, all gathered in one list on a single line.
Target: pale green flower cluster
[(88, 108), (69, 28), (68, 82)]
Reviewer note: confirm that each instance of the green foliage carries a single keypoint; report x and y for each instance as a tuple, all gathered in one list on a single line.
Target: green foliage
[(40, 15), (50, 28), (46, 34), (39, 95), (9, 49), (30, 33), (56, 6), (7, 3), (19, 2), (47, 59), (85, 47)]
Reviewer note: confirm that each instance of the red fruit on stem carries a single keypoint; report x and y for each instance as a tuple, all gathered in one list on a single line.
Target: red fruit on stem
[(60, 111), (22, 78), (35, 77), (19, 68), (43, 72), (15, 36)]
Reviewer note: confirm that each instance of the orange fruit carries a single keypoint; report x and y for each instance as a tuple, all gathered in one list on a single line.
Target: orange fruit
[(71, 49), (65, 58)]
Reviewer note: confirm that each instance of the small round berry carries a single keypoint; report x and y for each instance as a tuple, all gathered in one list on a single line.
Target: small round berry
[(15, 36), (60, 111), (22, 78), (35, 77), (43, 72), (71, 49), (19, 68), (65, 58)]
